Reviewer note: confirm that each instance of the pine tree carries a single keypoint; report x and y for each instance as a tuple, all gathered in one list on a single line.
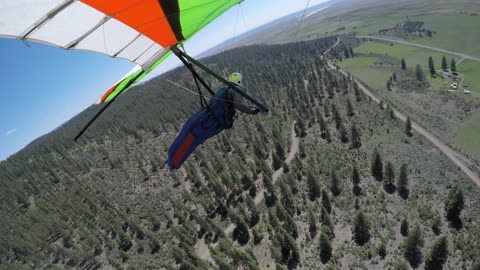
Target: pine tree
[(350, 110), (356, 91), (356, 140), (326, 201), (313, 187), (413, 247), (325, 247), (361, 229), (326, 111), (343, 134), (404, 227), (394, 76), (312, 224), (454, 205), (389, 86), (431, 66), (404, 65), (402, 182), (453, 65), (382, 250), (419, 73), (323, 126), (408, 127), (377, 166), (300, 128), (438, 255), (337, 117), (334, 184), (277, 161), (436, 225), (389, 183), (356, 181), (444, 63)]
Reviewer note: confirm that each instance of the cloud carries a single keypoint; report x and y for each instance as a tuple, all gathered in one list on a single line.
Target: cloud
[(10, 132)]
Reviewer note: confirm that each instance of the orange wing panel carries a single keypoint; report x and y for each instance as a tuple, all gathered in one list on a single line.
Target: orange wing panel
[(145, 16)]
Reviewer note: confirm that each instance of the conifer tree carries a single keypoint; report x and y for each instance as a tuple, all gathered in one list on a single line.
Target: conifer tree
[(444, 63), (356, 181), (356, 91), (313, 187), (438, 255), (394, 76), (361, 229), (312, 224), (431, 66), (436, 225), (404, 64), (377, 166), (413, 247), (334, 184), (382, 250), (389, 85), (356, 140), (419, 73), (404, 227), (454, 205), (402, 182), (408, 127), (453, 65), (325, 247), (343, 134), (350, 110), (336, 116), (389, 183), (326, 201)]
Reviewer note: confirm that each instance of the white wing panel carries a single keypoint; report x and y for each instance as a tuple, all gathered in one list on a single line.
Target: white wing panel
[(17, 16), (137, 48), (68, 25), (149, 54)]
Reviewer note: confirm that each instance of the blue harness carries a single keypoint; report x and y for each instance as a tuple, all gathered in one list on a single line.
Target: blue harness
[(206, 123)]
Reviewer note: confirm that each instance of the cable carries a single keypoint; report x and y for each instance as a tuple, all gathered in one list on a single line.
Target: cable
[(301, 20), (195, 93)]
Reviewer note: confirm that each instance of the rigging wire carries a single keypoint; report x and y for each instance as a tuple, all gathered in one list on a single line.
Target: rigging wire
[(301, 20), (195, 93)]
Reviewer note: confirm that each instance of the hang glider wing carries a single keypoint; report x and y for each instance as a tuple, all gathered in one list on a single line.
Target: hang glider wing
[(141, 31)]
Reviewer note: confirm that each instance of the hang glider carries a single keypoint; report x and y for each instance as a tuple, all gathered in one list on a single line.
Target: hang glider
[(142, 31)]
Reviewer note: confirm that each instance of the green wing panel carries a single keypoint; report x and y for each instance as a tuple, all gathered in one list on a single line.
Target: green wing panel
[(115, 90), (196, 14)]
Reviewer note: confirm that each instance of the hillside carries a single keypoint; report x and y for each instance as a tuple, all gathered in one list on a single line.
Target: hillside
[(247, 199)]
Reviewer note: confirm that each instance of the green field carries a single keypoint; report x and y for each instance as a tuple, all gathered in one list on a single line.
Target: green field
[(364, 69), (455, 32), (468, 136), (412, 55), (471, 70)]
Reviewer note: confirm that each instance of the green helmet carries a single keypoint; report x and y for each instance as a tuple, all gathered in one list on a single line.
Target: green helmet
[(235, 78)]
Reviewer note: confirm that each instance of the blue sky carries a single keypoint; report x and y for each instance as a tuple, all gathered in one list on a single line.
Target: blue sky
[(43, 86)]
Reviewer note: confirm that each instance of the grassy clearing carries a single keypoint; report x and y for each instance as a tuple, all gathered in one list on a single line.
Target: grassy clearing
[(467, 136), (471, 70), (455, 32), (412, 55), (364, 69)]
